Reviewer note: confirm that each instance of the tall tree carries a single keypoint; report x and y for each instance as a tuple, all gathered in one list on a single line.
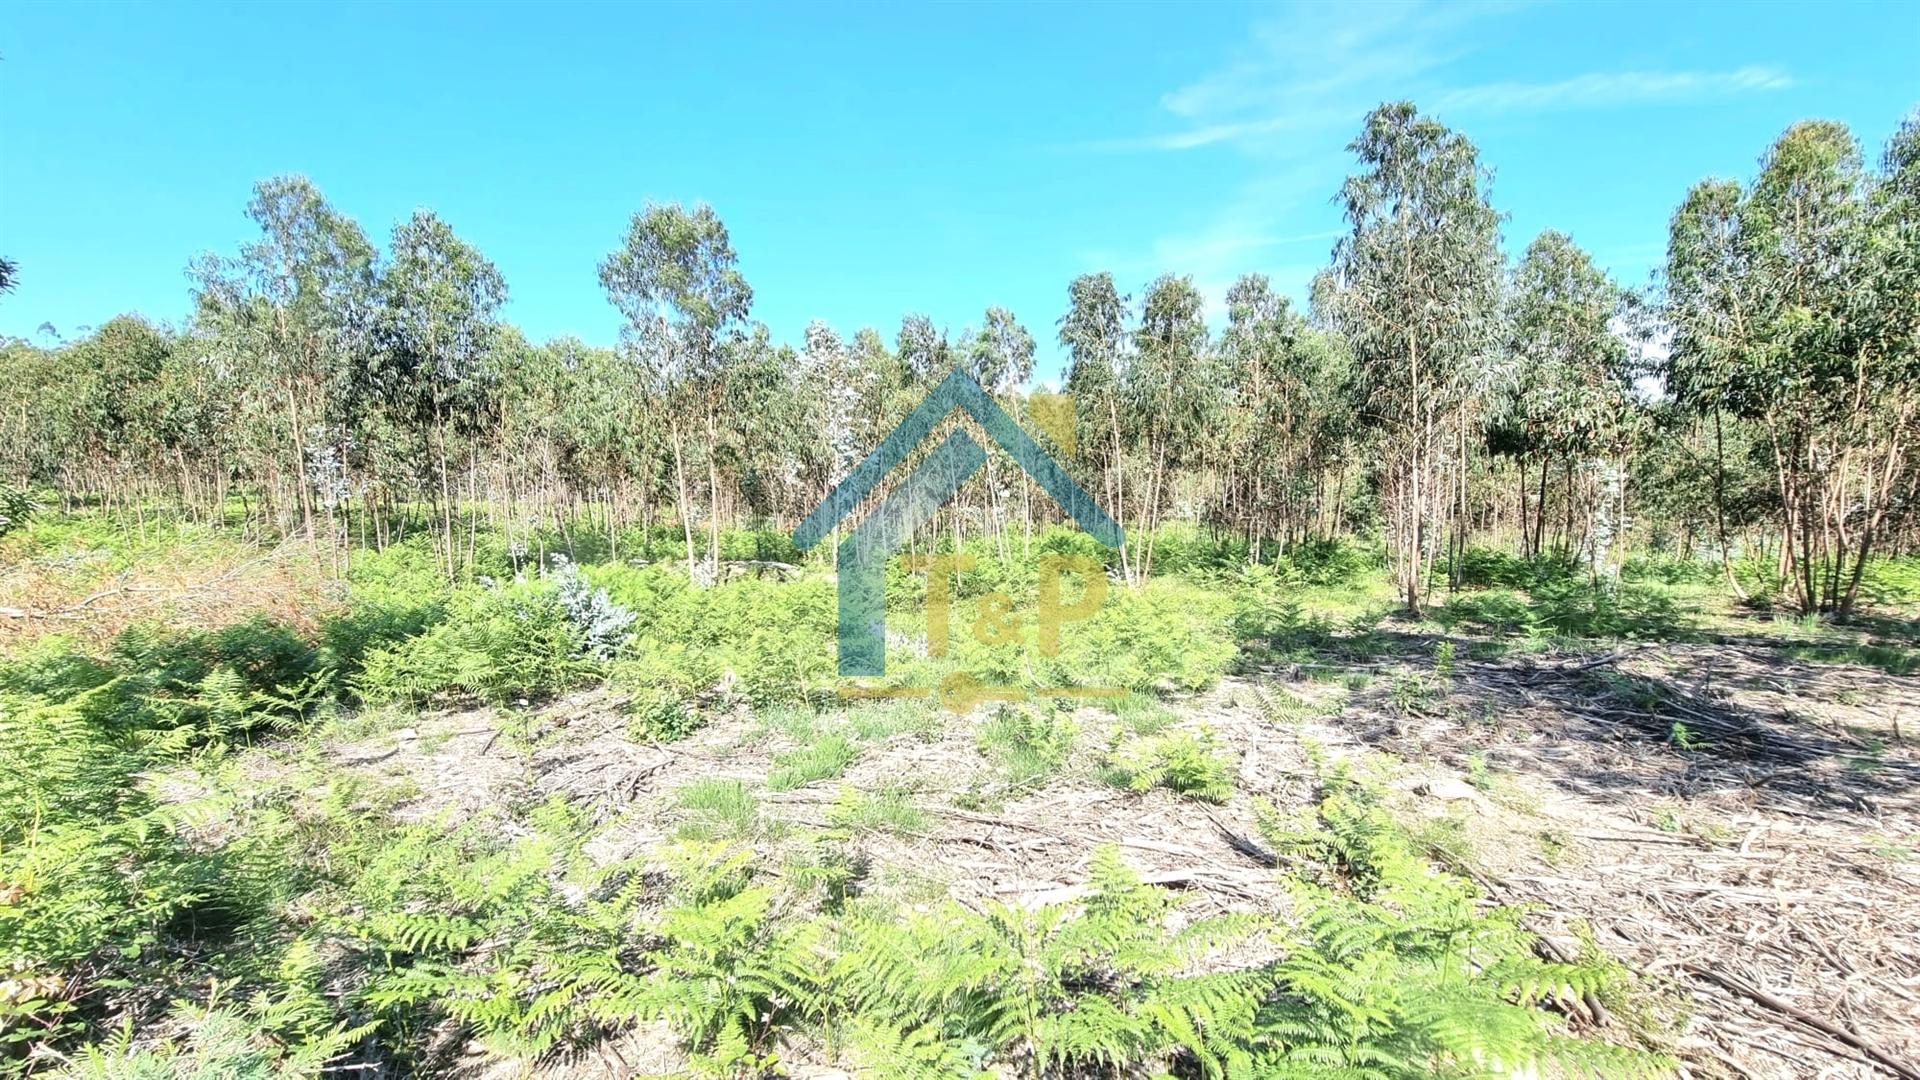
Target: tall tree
[(1886, 315), (924, 349), (1568, 398), (1094, 333), (1710, 306), (1173, 389), (293, 311), (1000, 355), (439, 302), (676, 281), (1768, 290), (1418, 287), (1289, 415)]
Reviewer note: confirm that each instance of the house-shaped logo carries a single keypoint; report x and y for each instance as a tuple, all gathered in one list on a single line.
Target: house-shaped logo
[(863, 553)]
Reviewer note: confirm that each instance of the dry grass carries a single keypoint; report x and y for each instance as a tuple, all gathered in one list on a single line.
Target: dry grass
[(195, 584)]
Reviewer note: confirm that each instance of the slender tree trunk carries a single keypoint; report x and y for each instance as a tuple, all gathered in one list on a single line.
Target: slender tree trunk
[(680, 483)]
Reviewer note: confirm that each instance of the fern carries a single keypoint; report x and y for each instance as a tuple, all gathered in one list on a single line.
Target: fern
[(1182, 761), (1395, 970)]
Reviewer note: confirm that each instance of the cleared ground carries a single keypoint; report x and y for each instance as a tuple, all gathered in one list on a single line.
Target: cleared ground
[(1738, 828)]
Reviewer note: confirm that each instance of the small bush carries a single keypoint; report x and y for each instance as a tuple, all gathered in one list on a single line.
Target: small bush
[(17, 505), (1183, 762), (496, 644), (1498, 611), (890, 809), (1163, 634), (1030, 743), (1670, 570), (1482, 567), (1581, 608), (1331, 561)]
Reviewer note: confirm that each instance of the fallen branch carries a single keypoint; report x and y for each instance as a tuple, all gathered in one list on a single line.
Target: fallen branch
[(1818, 1023)]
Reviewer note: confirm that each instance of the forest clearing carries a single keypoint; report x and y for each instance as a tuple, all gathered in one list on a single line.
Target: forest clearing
[(1470, 666), (391, 823)]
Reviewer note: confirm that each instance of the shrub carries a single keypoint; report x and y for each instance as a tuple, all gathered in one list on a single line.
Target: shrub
[(774, 637), (1331, 561), (1581, 608), (602, 625), (1030, 743), (1164, 633), (1183, 762), (97, 880), (495, 643), (1483, 567), (890, 809), (1500, 611), (17, 505), (1670, 570), (1376, 977)]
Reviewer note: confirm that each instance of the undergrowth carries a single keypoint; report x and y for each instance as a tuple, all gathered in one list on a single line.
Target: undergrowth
[(170, 907)]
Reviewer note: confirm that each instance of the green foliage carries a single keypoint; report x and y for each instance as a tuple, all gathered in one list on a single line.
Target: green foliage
[(719, 809), (1580, 608), (494, 643), (891, 809), (772, 641), (1166, 633), (17, 506), (215, 1042), (97, 876), (1395, 970), (1669, 570), (1335, 560), (1484, 567), (822, 758), (1095, 986), (1182, 761), (1029, 743)]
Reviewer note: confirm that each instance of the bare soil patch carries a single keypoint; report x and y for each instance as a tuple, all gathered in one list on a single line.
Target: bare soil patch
[(1757, 865)]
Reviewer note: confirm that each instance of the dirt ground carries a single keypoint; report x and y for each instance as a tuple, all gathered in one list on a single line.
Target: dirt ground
[(1741, 829)]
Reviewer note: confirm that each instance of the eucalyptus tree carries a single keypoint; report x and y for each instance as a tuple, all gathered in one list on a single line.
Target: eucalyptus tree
[(1887, 315), (886, 387), (1767, 290), (606, 427), (113, 378), (1802, 221), (770, 430), (676, 281), (9, 273), (1288, 415), (833, 397), (1417, 296), (291, 312), (1000, 354), (1094, 333), (1173, 390), (439, 302), (1710, 302), (924, 349), (1569, 397)]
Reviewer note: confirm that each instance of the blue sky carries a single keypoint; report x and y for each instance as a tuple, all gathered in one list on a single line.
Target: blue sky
[(875, 160)]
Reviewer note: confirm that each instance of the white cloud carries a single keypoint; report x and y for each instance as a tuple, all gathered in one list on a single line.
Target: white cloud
[(1620, 88), (1290, 100)]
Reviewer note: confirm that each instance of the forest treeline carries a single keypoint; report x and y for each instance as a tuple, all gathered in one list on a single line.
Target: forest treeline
[(1756, 402)]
